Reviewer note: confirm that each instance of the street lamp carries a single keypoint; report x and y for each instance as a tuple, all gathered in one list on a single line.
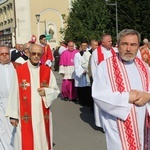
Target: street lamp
[(114, 4), (38, 21)]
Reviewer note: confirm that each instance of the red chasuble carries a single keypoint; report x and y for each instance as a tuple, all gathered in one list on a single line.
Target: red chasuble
[(101, 55), (25, 105)]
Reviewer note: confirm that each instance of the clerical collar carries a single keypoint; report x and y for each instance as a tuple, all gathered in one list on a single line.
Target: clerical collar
[(31, 65), (126, 62), (81, 52)]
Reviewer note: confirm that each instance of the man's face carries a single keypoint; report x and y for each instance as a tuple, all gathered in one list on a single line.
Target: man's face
[(107, 42), (43, 41), (21, 47), (71, 46), (26, 49), (17, 46), (128, 47), (4, 55), (35, 54), (84, 46), (94, 45)]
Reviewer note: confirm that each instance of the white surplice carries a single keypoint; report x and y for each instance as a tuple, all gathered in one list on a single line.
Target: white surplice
[(40, 141), (6, 129), (115, 105), (94, 64), (81, 64)]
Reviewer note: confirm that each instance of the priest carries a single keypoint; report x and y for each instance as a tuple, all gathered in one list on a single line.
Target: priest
[(33, 90), (47, 57), (121, 91), (104, 51), (66, 69), (7, 69)]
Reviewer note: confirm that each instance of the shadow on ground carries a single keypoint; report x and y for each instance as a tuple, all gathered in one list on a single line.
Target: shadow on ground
[(88, 116)]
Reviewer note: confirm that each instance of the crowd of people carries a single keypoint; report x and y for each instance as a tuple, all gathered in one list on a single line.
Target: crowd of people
[(112, 81)]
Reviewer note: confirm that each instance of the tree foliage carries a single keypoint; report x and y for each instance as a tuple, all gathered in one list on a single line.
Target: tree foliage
[(89, 19), (133, 14)]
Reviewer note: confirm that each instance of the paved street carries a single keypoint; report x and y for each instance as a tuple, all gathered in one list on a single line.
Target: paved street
[(73, 126)]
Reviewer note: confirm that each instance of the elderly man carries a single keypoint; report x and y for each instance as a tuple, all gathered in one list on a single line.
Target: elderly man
[(103, 51), (66, 69), (6, 73), (23, 58), (31, 96), (121, 90)]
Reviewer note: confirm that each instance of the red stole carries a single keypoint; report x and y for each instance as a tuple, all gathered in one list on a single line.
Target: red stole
[(128, 129), (15, 64), (101, 55), (25, 105)]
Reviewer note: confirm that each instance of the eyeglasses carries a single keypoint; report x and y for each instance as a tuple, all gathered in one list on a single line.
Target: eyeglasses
[(3, 54), (34, 54)]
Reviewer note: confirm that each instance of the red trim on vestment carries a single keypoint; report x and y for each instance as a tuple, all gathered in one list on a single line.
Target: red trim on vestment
[(15, 64), (128, 129), (25, 108), (48, 55), (44, 78), (101, 55), (25, 105)]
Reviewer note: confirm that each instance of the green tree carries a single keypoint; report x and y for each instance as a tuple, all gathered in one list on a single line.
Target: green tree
[(87, 20), (133, 14)]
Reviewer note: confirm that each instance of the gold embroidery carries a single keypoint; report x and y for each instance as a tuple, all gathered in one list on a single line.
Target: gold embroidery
[(24, 98), (24, 84), (26, 117), (44, 84), (46, 117)]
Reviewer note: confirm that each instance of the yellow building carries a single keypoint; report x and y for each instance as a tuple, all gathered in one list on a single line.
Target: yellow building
[(20, 19)]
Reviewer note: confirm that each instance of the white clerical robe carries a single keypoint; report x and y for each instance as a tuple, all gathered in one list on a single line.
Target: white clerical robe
[(40, 141), (115, 105), (81, 65), (6, 129), (94, 64)]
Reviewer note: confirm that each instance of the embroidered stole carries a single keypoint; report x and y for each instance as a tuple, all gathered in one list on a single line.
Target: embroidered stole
[(101, 55), (128, 129), (25, 105)]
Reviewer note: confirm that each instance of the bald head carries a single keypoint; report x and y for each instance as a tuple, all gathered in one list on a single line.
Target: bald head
[(35, 54)]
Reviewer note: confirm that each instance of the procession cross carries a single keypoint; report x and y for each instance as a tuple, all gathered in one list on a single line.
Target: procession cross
[(26, 117), (24, 84)]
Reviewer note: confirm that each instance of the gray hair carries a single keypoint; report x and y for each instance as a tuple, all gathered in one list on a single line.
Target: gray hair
[(125, 32), (26, 46)]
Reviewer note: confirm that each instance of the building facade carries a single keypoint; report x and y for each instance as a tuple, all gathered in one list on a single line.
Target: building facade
[(21, 20)]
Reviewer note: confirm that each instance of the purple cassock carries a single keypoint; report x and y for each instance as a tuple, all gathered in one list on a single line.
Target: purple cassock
[(66, 68)]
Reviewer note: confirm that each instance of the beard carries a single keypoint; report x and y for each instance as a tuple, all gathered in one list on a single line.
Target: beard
[(128, 56)]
